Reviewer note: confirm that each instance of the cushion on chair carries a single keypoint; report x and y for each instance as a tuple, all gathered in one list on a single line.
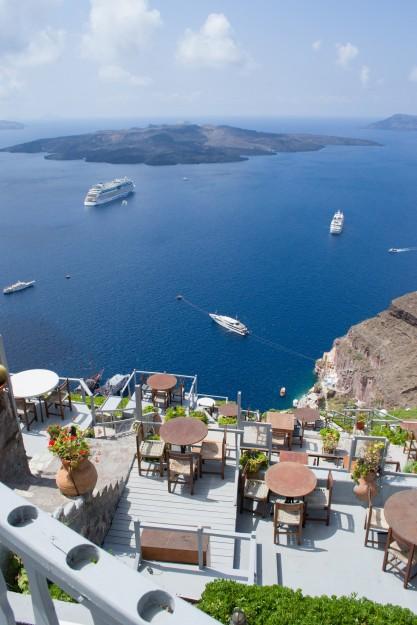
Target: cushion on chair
[(378, 519), (211, 450), (152, 449), (290, 517), (180, 467), (256, 489), (319, 498)]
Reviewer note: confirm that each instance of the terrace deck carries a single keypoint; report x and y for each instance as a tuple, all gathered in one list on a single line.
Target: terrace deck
[(147, 498)]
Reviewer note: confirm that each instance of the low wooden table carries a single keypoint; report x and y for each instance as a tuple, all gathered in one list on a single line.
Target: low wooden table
[(291, 480), (400, 512), (167, 546), (228, 410)]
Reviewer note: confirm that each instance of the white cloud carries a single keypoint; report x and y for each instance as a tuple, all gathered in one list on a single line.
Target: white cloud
[(211, 46), (316, 45), (117, 74), (412, 76), (118, 29), (365, 75), (45, 47), (346, 53)]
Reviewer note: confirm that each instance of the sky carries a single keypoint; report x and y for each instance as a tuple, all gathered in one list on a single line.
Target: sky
[(184, 58)]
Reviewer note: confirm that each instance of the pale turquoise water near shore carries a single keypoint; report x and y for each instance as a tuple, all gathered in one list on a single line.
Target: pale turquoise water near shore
[(248, 238)]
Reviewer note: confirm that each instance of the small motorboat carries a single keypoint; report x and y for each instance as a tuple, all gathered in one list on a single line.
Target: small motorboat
[(282, 391), (18, 286)]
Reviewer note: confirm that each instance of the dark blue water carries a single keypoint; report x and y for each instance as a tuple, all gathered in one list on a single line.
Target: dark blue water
[(248, 238)]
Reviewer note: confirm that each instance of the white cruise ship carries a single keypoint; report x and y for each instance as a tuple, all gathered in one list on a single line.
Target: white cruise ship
[(18, 286), (234, 325), (104, 192), (336, 225)]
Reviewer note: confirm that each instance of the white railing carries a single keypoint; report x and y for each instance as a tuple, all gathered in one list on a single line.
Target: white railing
[(249, 575), (52, 551)]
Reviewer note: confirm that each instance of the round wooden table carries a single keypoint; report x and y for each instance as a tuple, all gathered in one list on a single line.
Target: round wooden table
[(290, 479), (400, 512), (183, 431), (33, 383), (228, 410), (162, 381)]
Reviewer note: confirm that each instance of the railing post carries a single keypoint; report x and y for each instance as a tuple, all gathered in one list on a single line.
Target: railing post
[(92, 410), (6, 612), (43, 606), (138, 558), (138, 401), (200, 547), (239, 407)]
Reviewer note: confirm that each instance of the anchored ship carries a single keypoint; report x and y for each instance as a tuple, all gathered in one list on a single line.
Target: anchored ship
[(105, 192), (18, 286), (336, 225), (230, 323)]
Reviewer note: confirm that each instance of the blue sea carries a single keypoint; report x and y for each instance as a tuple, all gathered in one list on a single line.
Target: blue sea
[(249, 238)]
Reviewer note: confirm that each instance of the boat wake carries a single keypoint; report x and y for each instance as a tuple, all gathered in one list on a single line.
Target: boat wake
[(398, 250)]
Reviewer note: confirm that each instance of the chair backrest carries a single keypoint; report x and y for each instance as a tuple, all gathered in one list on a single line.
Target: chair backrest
[(330, 483), (289, 507), (20, 404), (176, 455), (293, 456), (140, 437)]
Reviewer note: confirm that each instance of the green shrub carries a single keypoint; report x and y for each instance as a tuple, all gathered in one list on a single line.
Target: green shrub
[(396, 436), (197, 414), (277, 605), (149, 409), (253, 460), (18, 581), (173, 412), (411, 467), (227, 420)]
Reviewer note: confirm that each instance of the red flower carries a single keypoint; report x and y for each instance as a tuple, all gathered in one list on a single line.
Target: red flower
[(51, 443)]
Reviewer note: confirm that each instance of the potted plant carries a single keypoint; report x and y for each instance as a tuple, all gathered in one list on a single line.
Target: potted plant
[(77, 475), (367, 468), (361, 421), (330, 438), (252, 461)]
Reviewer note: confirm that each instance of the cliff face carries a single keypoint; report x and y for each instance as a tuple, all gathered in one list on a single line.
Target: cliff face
[(376, 362)]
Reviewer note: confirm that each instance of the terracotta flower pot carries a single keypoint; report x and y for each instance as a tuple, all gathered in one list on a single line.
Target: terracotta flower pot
[(366, 484), (360, 425), (78, 480)]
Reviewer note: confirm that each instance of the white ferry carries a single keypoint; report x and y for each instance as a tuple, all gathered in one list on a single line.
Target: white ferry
[(105, 192), (336, 225), (18, 286), (230, 323)]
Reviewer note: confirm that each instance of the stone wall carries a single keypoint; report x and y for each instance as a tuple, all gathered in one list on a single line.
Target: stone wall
[(14, 468), (91, 515)]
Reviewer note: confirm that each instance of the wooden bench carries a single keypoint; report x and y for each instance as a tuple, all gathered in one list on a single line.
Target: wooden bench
[(168, 546)]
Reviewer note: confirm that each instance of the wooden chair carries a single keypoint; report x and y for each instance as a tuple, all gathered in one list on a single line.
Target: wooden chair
[(320, 500), (293, 456), (290, 515), (393, 463), (298, 432), (400, 555), (255, 490), (177, 394), (152, 450), (374, 522), (213, 451), (280, 439), (182, 466), (60, 398), (24, 408), (412, 448)]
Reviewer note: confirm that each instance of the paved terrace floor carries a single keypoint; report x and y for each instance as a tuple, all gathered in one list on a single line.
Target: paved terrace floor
[(146, 497), (330, 560)]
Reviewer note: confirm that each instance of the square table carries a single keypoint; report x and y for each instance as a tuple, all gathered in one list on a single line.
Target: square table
[(283, 421)]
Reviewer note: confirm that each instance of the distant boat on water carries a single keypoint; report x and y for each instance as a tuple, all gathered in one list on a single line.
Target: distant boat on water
[(398, 250), (105, 192), (230, 323), (18, 286), (336, 225)]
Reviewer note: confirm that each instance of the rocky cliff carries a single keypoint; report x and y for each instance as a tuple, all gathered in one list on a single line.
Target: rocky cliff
[(376, 362)]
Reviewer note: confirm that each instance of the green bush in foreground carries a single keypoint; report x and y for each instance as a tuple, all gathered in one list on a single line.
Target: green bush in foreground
[(277, 605)]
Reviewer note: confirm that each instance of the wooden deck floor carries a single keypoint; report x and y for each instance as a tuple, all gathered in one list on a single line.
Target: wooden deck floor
[(146, 497)]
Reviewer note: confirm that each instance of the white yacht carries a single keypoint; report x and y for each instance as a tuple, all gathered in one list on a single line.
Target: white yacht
[(18, 286), (104, 192), (230, 323), (336, 225)]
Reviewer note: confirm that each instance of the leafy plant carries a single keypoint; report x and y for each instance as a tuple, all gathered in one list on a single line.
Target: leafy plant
[(70, 444), (174, 411), (18, 581), (411, 467), (54, 430), (369, 461), (278, 605), (396, 435), (253, 460), (198, 414), (330, 438), (149, 409), (227, 420)]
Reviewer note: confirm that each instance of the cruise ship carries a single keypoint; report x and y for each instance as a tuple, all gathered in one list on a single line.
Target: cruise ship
[(105, 192), (18, 286), (230, 323), (337, 222)]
